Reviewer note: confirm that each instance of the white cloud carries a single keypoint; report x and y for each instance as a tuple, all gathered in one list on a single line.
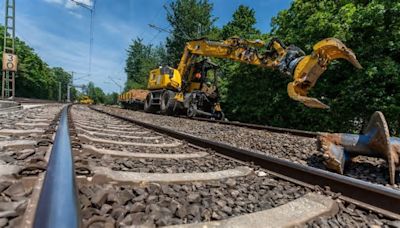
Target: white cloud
[(86, 2), (75, 14), (55, 1), (69, 4), (73, 4), (117, 28)]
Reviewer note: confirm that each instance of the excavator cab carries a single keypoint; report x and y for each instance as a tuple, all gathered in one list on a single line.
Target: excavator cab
[(203, 76), (203, 96)]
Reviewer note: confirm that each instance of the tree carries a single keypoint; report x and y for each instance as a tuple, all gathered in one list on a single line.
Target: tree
[(95, 93), (141, 60), (111, 99), (242, 24), (65, 78), (369, 28), (34, 78), (160, 55), (189, 19), (138, 58), (252, 94)]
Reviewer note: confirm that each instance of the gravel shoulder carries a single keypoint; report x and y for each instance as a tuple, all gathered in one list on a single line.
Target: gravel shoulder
[(298, 149), (153, 204), (16, 189)]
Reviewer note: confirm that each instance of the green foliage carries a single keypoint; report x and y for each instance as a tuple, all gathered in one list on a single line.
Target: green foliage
[(252, 94), (35, 79), (64, 78), (141, 59), (189, 19), (111, 99), (96, 93), (241, 25), (371, 29)]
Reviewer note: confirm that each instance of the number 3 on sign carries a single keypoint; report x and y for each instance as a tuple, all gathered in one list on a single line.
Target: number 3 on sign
[(10, 62)]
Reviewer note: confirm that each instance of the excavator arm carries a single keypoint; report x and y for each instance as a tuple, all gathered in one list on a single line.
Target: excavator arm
[(291, 60)]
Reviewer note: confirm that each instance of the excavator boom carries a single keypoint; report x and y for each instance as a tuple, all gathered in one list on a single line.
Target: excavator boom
[(291, 60)]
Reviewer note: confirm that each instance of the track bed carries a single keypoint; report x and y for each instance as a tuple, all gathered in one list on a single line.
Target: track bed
[(156, 201), (290, 147)]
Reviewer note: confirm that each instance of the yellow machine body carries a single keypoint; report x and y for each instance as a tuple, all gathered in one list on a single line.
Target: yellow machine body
[(291, 60), (164, 78), (309, 69), (305, 73), (86, 100)]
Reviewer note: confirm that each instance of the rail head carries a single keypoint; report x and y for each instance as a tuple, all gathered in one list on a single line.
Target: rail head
[(58, 204), (308, 134)]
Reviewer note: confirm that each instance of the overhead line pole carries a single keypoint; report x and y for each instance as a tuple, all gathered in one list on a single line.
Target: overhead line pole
[(10, 60), (92, 11), (71, 84), (91, 36), (69, 87), (59, 91)]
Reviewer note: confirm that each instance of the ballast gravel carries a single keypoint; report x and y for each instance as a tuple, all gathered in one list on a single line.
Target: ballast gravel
[(302, 150)]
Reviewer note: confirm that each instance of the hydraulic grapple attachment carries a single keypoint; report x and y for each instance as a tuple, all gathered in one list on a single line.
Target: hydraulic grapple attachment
[(310, 67)]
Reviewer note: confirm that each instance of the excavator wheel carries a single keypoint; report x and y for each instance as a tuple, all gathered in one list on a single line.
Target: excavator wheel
[(147, 104), (191, 111), (219, 116), (167, 103)]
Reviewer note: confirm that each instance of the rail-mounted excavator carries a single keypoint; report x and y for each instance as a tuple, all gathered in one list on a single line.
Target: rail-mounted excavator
[(86, 100), (192, 87)]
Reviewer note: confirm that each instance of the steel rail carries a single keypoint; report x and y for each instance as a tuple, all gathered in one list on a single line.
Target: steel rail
[(58, 205), (296, 132), (364, 194), (309, 134)]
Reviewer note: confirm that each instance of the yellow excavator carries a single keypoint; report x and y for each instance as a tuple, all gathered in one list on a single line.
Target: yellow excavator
[(86, 100), (192, 87)]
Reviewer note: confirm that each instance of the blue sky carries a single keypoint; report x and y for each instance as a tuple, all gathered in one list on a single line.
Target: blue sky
[(58, 30)]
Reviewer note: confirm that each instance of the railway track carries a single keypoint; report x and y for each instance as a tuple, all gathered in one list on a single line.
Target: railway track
[(246, 125), (128, 172), (261, 127), (301, 147)]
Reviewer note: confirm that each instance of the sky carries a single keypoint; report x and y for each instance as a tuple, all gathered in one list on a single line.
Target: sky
[(58, 30)]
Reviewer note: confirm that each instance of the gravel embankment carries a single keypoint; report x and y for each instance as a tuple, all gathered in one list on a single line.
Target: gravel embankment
[(168, 204), (210, 163), (171, 204), (293, 148), (13, 202), (14, 194), (185, 203)]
